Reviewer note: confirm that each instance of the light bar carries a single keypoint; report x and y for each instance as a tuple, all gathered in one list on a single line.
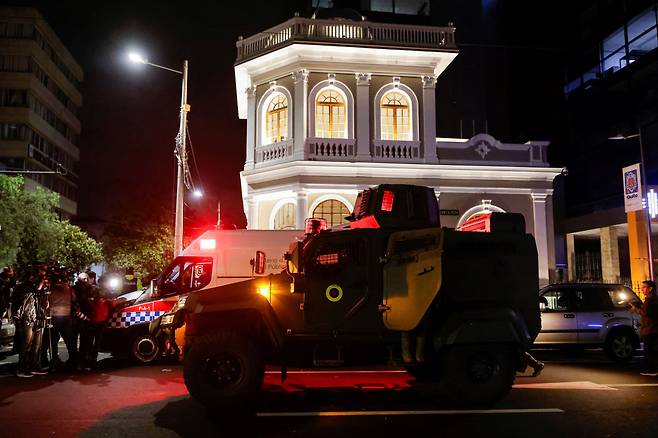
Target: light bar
[(207, 244)]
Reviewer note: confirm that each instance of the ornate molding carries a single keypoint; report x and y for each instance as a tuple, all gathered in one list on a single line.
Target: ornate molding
[(363, 78), (272, 84), (300, 76), (331, 77), (428, 81), (250, 91), (396, 81)]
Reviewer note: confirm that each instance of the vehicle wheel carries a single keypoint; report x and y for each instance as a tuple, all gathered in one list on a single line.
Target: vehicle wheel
[(223, 370), (620, 346), (145, 348), (478, 373)]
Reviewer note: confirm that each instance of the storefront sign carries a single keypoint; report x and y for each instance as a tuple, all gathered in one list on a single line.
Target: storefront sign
[(632, 188)]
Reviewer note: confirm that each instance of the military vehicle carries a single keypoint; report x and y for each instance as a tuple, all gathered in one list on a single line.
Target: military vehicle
[(458, 308)]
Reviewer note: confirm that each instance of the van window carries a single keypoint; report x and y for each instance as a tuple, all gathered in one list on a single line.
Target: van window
[(185, 274)]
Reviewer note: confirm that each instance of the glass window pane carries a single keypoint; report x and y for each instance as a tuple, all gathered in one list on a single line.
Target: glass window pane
[(412, 7), (613, 42), (381, 5), (641, 23), (643, 44), (285, 217), (614, 61)]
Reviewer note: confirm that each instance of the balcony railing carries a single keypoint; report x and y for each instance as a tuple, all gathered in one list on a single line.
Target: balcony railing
[(346, 32), (274, 152), (338, 149), (397, 151)]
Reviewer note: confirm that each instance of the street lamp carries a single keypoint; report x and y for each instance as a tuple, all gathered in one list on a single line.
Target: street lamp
[(180, 152), (198, 193), (638, 135)]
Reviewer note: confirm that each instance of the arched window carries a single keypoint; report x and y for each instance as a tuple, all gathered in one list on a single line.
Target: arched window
[(395, 117), (285, 217), (333, 211), (330, 114), (276, 119)]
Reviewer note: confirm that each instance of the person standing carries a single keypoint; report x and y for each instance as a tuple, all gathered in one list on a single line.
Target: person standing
[(30, 320), (60, 310), (648, 326)]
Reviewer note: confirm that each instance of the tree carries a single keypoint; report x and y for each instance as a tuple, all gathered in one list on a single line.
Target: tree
[(76, 249), (31, 231), (143, 242)]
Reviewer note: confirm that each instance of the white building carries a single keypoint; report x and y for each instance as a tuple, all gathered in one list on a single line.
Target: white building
[(336, 106)]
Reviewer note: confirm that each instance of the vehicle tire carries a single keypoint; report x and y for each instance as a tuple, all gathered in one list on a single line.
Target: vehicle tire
[(620, 345), (479, 373), (223, 370), (145, 349)]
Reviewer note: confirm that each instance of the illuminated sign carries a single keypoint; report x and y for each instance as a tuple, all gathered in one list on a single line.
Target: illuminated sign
[(632, 188), (652, 202)]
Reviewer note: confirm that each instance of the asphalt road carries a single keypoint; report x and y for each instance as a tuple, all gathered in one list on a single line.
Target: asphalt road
[(575, 396)]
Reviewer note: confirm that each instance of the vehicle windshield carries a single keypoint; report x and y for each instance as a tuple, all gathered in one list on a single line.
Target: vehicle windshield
[(183, 275)]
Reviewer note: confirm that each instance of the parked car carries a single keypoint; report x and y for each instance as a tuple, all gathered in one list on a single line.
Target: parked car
[(589, 315), (7, 331)]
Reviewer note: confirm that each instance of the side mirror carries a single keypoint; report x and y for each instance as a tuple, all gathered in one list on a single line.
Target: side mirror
[(259, 263)]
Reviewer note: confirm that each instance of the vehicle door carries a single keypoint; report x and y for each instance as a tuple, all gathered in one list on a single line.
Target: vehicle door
[(558, 318), (595, 308), (337, 283)]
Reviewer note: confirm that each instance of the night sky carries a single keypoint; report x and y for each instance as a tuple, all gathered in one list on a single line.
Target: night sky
[(130, 112)]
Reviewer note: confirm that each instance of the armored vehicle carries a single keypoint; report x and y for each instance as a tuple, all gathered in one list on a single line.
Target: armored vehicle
[(458, 308)]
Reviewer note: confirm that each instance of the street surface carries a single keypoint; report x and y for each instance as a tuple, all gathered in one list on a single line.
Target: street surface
[(584, 396)]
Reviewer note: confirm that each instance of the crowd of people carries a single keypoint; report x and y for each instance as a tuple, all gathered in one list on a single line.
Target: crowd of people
[(47, 303)]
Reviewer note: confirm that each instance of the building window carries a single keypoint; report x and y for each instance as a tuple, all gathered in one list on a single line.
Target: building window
[(395, 117), (330, 120), (276, 119), (333, 211), (285, 217)]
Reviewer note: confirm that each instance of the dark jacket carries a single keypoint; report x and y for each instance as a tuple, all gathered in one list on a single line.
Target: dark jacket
[(649, 315)]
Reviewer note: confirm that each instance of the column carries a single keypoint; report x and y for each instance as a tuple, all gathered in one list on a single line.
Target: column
[(300, 113), (302, 209), (252, 213), (541, 234), (637, 247), (429, 119), (609, 255), (363, 116), (251, 127), (571, 257)]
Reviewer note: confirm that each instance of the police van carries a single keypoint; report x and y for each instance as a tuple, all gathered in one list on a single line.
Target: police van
[(216, 258)]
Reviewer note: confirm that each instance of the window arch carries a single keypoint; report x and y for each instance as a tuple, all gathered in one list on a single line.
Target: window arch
[(389, 107), (336, 88), (276, 119), (274, 111), (284, 218), (484, 208), (333, 211), (330, 114), (395, 115)]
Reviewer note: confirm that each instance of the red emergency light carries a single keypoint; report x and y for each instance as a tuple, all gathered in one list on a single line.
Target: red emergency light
[(314, 225), (479, 223)]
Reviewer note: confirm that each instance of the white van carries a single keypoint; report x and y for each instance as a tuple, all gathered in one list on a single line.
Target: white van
[(216, 258)]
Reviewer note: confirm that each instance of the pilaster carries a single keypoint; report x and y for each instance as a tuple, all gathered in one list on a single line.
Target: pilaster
[(300, 113), (609, 255), (251, 127), (363, 116), (252, 213), (302, 209), (429, 119), (541, 235)]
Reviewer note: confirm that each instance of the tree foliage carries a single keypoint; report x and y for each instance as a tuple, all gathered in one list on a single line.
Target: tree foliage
[(141, 242), (31, 231)]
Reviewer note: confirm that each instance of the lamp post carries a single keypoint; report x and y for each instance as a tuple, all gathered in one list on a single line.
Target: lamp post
[(638, 135), (180, 151)]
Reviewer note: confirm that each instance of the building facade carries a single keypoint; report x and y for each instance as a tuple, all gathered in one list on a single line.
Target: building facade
[(611, 98), (334, 106), (40, 101)]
